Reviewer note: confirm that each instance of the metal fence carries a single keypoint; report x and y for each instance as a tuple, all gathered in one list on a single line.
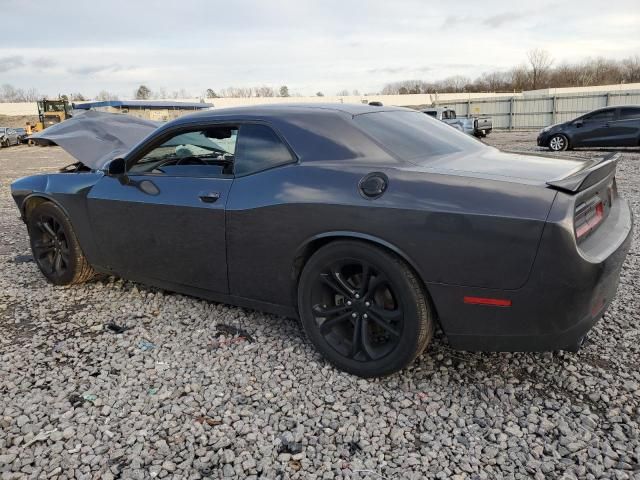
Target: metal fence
[(523, 112)]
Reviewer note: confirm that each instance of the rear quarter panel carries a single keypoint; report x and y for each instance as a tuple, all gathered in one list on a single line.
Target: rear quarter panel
[(453, 230)]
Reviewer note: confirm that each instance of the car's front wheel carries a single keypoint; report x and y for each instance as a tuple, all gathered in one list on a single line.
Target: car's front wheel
[(55, 247), (558, 143), (363, 308)]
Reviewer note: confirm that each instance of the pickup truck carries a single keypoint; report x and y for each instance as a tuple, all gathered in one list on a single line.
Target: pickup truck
[(477, 126)]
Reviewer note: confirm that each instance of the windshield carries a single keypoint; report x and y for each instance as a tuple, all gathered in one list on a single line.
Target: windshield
[(414, 136)]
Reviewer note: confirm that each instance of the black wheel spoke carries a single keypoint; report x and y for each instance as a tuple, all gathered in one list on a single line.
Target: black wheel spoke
[(324, 312), (44, 246), (367, 347), (328, 324), (389, 328), (364, 282), (387, 315), (47, 228), (57, 262), (374, 285), (356, 342), (335, 281)]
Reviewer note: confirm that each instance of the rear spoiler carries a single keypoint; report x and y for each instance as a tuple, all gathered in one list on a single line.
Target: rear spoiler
[(587, 176)]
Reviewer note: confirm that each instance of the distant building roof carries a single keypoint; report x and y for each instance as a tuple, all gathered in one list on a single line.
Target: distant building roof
[(143, 104)]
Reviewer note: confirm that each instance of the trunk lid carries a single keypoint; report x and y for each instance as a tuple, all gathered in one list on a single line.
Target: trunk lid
[(493, 164)]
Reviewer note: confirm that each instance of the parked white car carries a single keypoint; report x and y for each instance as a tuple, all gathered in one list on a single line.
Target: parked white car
[(8, 137), (477, 126)]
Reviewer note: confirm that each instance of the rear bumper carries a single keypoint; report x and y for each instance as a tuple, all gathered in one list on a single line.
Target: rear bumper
[(568, 291)]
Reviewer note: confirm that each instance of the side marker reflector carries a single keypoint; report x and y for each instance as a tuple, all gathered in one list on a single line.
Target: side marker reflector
[(490, 302)]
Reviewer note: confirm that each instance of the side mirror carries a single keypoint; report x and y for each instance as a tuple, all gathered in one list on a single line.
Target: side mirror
[(116, 167), (579, 123)]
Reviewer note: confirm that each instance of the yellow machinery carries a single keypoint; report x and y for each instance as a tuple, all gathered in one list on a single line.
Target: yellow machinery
[(51, 112)]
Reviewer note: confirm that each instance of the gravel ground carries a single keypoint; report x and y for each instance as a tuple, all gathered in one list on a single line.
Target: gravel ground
[(183, 393)]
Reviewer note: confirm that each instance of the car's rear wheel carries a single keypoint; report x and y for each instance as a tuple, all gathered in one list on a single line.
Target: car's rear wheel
[(55, 247), (363, 308), (558, 143)]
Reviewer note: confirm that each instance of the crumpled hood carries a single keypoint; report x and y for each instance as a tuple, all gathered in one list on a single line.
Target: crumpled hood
[(94, 138)]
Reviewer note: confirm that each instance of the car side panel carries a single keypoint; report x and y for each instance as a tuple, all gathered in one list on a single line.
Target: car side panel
[(69, 191), (454, 230)]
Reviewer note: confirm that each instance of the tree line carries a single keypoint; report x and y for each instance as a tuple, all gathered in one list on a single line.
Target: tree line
[(539, 71)]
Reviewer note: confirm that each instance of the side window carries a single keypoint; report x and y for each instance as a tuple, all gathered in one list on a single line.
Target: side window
[(259, 148), (432, 114), (629, 113), (199, 153), (602, 116)]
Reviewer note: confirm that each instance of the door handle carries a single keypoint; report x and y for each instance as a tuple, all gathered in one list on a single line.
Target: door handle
[(210, 197)]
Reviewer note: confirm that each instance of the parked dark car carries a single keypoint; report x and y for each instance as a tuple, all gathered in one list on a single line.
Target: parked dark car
[(8, 137), (606, 127), (370, 224)]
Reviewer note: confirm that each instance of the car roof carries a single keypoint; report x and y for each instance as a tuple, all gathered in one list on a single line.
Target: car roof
[(281, 110)]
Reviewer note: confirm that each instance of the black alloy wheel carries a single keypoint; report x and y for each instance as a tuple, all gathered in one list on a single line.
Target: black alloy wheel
[(55, 247), (51, 246), (363, 308)]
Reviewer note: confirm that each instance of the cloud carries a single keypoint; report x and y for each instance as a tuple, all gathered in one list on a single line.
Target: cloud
[(495, 21), (43, 62), (11, 63), (394, 70), (93, 69)]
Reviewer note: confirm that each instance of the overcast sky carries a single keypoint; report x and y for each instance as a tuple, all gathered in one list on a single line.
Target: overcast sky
[(65, 46)]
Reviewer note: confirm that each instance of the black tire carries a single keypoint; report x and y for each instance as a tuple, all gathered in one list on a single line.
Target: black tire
[(55, 247), (368, 328), (558, 143)]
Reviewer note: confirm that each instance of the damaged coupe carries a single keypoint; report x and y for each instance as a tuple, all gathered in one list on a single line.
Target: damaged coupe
[(370, 224)]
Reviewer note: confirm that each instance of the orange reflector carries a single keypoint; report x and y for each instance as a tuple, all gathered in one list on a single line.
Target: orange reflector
[(491, 302)]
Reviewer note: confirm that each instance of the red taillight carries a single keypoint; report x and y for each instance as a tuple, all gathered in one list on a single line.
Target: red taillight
[(490, 302), (588, 216)]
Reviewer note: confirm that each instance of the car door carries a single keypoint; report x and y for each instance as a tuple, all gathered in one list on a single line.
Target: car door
[(255, 266), (594, 130), (163, 221), (627, 126)]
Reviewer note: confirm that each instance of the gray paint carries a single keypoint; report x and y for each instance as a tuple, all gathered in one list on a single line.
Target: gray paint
[(476, 223)]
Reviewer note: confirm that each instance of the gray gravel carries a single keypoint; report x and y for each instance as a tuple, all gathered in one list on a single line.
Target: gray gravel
[(179, 395)]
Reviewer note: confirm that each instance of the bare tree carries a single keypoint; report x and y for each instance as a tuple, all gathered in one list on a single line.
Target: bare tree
[(343, 93), (237, 92), (264, 91), (540, 62), (631, 69), (104, 96), (8, 93)]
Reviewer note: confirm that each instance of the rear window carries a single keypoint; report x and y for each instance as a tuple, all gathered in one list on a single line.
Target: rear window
[(414, 136)]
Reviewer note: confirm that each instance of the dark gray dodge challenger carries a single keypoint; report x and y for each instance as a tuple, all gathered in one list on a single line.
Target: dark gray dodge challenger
[(370, 224)]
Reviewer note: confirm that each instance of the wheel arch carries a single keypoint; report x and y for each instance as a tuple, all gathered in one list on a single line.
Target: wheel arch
[(31, 201), (314, 243)]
